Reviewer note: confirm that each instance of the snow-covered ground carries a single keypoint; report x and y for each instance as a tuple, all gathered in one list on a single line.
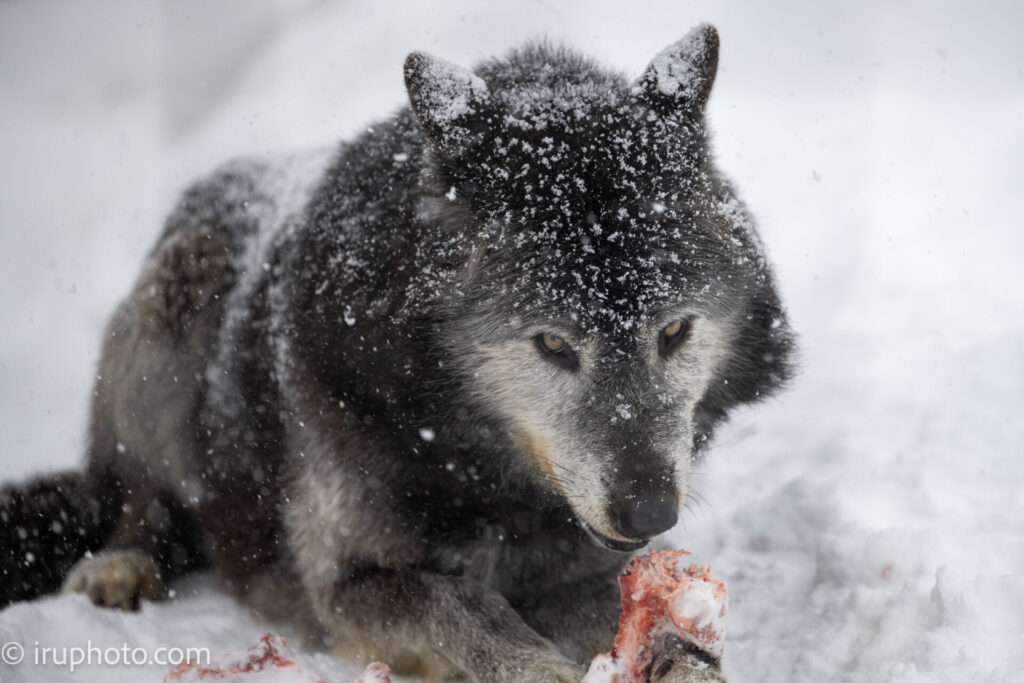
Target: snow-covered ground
[(869, 522)]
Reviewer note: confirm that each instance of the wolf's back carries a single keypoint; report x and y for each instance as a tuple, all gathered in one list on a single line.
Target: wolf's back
[(46, 524)]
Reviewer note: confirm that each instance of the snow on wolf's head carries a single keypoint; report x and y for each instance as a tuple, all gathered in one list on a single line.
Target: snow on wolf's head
[(613, 300)]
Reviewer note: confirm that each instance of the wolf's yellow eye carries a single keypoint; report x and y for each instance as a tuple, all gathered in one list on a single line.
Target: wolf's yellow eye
[(552, 342), (673, 335), (556, 350), (674, 328)]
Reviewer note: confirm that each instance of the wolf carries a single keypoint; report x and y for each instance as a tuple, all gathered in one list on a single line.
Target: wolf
[(424, 394)]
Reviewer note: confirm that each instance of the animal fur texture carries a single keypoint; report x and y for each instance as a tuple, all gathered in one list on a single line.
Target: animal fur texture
[(424, 393)]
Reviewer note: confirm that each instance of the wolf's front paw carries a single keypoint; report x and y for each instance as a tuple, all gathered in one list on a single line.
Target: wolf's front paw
[(116, 578), (682, 662)]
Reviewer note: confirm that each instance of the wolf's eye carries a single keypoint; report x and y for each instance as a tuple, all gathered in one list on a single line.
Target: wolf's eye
[(672, 336), (557, 351), (552, 342)]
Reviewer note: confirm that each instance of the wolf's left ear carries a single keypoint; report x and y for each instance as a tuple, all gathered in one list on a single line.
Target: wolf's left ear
[(680, 77), (445, 97)]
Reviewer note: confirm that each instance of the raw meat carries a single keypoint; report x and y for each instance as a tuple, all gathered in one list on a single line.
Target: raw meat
[(269, 660), (661, 597)]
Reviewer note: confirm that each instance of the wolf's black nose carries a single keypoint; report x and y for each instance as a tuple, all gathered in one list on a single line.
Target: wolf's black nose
[(647, 518)]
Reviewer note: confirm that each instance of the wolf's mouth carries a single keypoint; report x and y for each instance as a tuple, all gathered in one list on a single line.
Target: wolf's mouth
[(611, 543)]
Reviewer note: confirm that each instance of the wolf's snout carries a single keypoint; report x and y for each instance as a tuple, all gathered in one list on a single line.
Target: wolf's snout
[(645, 518)]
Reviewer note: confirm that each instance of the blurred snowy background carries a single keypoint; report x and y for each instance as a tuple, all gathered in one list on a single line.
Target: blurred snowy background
[(869, 522)]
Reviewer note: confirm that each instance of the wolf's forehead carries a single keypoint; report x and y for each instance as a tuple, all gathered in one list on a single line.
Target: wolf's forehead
[(599, 164), (595, 300), (556, 153), (601, 226), (606, 284)]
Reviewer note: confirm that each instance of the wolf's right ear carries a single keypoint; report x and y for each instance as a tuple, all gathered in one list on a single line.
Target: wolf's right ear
[(679, 78), (445, 97)]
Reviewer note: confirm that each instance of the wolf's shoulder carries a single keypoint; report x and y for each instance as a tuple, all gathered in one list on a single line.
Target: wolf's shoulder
[(250, 197)]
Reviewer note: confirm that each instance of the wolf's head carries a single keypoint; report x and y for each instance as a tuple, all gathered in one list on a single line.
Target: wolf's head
[(612, 301)]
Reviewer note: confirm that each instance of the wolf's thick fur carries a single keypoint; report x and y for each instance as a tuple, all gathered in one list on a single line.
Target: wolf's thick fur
[(421, 394)]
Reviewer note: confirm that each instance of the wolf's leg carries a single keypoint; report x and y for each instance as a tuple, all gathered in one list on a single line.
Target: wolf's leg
[(581, 618), (366, 571), (116, 578), (474, 627), (148, 546), (681, 662), (143, 434)]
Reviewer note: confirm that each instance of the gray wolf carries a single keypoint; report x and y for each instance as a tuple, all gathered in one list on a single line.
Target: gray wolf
[(425, 393)]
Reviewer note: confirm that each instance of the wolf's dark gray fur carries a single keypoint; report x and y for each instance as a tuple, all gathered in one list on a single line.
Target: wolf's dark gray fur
[(421, 395)]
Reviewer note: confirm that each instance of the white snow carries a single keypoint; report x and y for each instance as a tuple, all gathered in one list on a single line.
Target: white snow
[(200, 621), (868, 522)]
